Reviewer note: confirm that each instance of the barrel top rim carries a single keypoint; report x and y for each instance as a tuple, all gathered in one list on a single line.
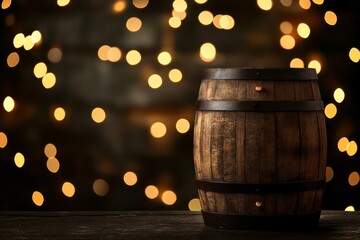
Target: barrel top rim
[(269, 73)]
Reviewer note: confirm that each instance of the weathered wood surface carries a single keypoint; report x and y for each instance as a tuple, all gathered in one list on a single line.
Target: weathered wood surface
[(158, 225), (260, 147)]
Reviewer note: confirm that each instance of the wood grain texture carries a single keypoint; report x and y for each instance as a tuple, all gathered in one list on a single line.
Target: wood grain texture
[(333, 225), (260, 147)]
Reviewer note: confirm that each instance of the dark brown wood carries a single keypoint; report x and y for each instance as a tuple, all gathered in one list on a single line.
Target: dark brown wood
[(259, 146), (258, 73), (333, 225)]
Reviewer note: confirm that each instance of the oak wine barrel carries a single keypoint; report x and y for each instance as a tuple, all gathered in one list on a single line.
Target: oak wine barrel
[(260, 147)]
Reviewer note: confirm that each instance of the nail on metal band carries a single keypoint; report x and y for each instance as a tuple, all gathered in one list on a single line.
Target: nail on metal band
[(235, 187), (233, 221), (259, 106), (260, 73)]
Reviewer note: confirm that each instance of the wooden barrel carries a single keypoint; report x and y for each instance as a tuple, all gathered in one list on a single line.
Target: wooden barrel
[(260, 147)]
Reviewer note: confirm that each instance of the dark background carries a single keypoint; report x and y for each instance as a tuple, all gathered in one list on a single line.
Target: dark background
[(88, 151)]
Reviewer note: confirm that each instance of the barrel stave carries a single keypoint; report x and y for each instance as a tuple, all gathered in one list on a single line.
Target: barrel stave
[(255, 147)]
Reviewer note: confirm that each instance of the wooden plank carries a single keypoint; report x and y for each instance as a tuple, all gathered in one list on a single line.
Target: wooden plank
[(259, 135), (287, 147), (197, 145), (310, 148), (229, 159), (240, 160), (323, 143), (334, 225), (216, 157), (260, 147), (206, 158), (206, 91), (227, 90)]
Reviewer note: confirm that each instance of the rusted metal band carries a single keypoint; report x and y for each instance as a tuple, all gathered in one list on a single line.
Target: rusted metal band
[(259, 74), (233, 221), (258, 188), (259, 106)]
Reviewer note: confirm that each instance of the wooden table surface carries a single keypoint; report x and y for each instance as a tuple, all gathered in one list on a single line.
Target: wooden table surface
[(159, 225)]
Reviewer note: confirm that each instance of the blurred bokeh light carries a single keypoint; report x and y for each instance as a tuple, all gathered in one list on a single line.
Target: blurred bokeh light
[(98, 96)]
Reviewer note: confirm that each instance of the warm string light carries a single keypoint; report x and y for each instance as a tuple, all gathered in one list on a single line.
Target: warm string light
[(133, 24), (52, 163), (297, 63), (206, 17), (98, 115), (155, 81), (344, 145), (265, 5), (140, 3), (130, 178), (159, 129), (303, 30), (5, 4), (164, 58), (59, 114), (194, 205), (329, 174), (13, 59), (318, 2), (55, 55), (286, 27), (27, 42), (286, 3), (354, 54), (9, 104), (50, 150), (133, 57), (207, 53), (100, 187), (339, 95), (38, 198), (178, 13), (330, 110), (349, 209), (151, 192), (182, 125), (305, 4), (287, 42), (350, 147), (200, 1), (179, 5), (63, 3), (353, 178), (19, 160), (119, 6), (169, 197), (107, 53), (68, 189), (175, 75), (3, 140), (48, 79), (174, 22)]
